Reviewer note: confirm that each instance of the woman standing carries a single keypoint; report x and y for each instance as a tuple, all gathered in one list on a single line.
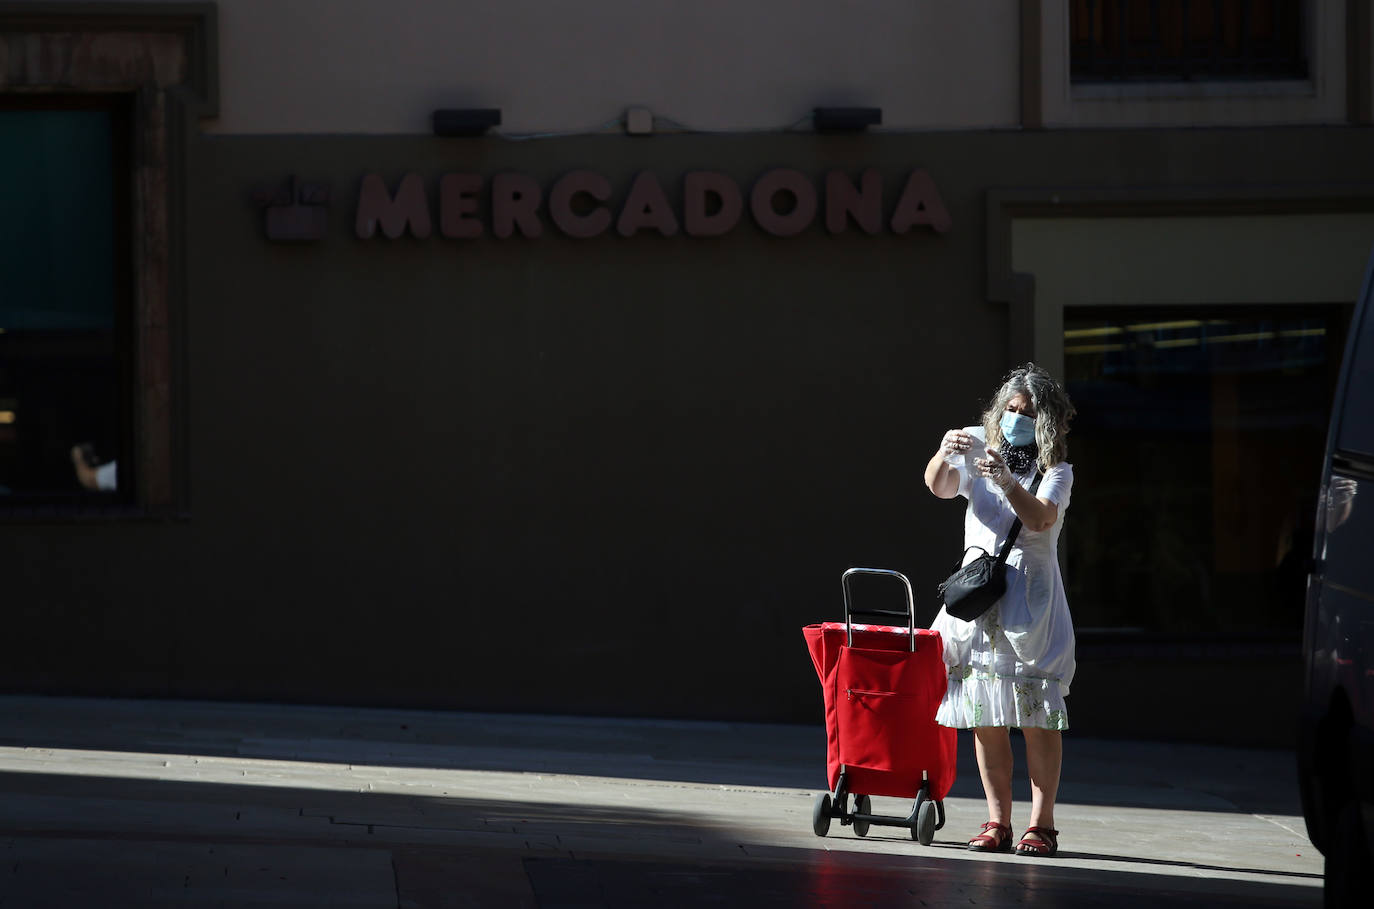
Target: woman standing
[(1012, 665)]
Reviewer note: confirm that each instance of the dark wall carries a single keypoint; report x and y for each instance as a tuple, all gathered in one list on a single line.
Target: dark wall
[(610, 476), (613, 475)]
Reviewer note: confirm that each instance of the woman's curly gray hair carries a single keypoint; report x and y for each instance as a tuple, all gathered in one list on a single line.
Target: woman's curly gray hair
[(1053, 411)]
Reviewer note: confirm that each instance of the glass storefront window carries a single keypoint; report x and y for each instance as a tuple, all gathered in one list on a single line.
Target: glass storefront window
[(63, 301), (1197, 449)]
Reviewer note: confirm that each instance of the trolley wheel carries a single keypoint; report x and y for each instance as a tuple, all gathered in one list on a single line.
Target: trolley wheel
[(916, 813), (820, 814), (862, 805), (925, 823)]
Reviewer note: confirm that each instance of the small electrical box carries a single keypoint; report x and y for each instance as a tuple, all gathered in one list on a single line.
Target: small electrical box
[(639, 121)]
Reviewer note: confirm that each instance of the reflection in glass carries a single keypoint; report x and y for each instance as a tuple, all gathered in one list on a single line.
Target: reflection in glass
[(1340, 501)]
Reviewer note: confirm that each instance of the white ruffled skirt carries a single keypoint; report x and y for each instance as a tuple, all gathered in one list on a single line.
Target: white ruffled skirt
[(989, 685)]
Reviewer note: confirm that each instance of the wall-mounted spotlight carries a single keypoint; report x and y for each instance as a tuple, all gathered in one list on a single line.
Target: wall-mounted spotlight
[(845, 119), (466, 121)]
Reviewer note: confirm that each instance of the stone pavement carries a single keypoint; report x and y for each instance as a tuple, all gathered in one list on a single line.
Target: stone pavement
[(111, 803)]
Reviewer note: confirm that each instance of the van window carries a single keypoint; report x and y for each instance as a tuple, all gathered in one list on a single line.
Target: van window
[(1356, 430)]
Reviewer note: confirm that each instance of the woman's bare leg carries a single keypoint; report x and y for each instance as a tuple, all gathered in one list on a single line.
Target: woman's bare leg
[(1044, 758), (992, 745)]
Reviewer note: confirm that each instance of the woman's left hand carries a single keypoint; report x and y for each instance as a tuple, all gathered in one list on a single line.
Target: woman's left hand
[(995, 469)]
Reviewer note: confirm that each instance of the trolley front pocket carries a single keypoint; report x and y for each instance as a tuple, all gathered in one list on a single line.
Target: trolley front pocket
[(876, 702)]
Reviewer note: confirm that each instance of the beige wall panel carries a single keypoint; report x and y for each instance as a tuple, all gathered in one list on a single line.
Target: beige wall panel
[(352, 66)]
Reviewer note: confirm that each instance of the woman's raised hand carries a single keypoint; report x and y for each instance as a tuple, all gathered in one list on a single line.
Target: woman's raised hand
[(956, 441), (995, 469)]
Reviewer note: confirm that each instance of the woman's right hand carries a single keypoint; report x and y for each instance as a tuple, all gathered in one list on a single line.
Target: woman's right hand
[(956, 441), (942, 474)]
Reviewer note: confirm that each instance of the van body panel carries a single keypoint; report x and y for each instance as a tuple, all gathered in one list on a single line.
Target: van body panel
[(1336, 728), (1346, 595)]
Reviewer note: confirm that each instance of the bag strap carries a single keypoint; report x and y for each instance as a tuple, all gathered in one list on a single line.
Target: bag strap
[(1016, 525)]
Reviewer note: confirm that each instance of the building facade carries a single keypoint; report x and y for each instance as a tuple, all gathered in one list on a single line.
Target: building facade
[(562, 413)]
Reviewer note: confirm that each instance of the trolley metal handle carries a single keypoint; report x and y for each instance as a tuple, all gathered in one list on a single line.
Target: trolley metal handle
[(910, 603)]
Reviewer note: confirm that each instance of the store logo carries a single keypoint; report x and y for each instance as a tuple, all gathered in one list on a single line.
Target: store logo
[(782, 202), (294, 212)]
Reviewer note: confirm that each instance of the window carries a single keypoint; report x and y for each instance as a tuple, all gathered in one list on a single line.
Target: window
[(1356, 431), (1200, 435), (65, 363), (1187, 40)]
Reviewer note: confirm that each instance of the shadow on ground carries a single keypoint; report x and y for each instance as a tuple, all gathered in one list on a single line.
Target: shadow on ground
[(1096, 772), (85, 840)]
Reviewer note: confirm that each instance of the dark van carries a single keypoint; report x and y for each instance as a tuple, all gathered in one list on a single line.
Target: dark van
[(1336, 736)]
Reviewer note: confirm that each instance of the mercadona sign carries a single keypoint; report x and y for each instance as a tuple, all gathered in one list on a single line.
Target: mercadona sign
[(782, 202)]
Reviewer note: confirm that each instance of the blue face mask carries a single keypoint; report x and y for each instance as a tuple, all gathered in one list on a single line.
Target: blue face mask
[(1017, 428)]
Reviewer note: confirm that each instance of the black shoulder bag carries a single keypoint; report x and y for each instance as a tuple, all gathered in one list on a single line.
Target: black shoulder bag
[(973, 588)]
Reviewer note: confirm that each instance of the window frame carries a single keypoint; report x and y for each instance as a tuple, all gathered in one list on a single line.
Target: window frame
[(1050, 98)]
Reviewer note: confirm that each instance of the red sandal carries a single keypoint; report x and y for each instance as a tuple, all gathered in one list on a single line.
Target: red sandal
[(1045, 847), (997, 841)]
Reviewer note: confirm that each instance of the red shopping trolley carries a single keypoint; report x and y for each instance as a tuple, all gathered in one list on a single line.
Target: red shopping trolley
[(882, 685)]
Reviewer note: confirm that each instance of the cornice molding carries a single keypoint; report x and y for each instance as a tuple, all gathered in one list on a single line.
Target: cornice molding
[(196, 23)]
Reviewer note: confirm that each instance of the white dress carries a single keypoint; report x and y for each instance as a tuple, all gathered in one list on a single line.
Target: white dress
[(1012, 665)]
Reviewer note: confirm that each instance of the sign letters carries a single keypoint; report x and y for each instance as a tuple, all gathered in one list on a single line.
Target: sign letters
[(782, 202)]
